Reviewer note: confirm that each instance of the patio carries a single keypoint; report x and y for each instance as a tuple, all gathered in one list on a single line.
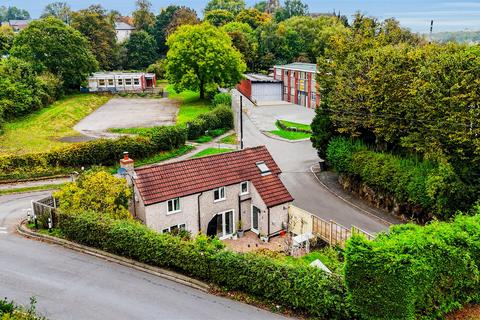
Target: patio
[(251, 242)]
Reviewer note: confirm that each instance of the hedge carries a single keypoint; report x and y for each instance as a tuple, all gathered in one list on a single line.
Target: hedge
[(219, 118), (96, 152), (301, 288), (415, 272), (433, 186), (222, 99)]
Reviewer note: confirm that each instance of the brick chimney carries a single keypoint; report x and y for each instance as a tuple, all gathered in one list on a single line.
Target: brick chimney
[(127, 163)]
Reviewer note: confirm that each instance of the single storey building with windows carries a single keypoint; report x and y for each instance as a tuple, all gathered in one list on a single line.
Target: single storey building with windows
[(299, 83), (121, 81), (214, 195)]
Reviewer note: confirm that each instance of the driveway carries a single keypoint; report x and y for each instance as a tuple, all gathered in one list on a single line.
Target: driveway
[(72, 285), (128, 113), (265, 116), (295, 160)]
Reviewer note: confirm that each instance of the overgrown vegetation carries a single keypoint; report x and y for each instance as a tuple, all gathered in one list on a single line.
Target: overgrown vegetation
[(424, 188), (11, 311), (289, 134), (415, 272)]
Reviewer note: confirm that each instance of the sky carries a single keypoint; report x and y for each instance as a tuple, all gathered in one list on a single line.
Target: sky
[(448, 15)]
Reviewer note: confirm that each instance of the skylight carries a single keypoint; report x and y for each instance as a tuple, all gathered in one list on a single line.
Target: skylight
[(262, 166)]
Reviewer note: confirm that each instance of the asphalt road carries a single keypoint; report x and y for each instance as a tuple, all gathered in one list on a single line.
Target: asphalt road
[(72, 285), (295, 160)]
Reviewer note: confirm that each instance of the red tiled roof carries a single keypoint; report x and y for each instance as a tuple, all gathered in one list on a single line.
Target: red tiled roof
[(177, 179)]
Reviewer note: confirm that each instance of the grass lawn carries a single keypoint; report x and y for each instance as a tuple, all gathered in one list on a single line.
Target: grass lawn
[(330, 257), (212, 134), (211, 151), (191, 106), (290, 135), (231, 139), (296, 125), (162, 156), (41, 130), (30, 189)]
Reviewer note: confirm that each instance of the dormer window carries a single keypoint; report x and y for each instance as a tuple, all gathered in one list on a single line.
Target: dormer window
[(264, 169)]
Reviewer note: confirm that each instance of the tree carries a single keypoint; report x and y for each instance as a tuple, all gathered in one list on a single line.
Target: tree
[(233, 6), (182, 16), (219, 17), (244, 39), (292, 8), (202, 58), (95, 25), (13, 13), (261, 6), (96, 191), (253, 17), (160, 28), (51, 45), (59, 10), (143, 18), (6, 39), (141, 50)]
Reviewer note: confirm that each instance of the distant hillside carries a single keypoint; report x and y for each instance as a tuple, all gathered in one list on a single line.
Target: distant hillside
[(458, 36)]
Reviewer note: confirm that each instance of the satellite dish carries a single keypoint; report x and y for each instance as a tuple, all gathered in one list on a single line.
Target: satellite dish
[(122, 171)]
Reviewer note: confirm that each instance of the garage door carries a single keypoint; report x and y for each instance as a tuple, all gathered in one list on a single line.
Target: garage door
[(267, 91)]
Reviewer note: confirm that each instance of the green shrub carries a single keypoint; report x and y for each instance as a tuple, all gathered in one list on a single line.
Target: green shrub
[(415, 272), (433, 186), (222, 99), (219, 118), (158, 68), (97, 152), (302, 288)]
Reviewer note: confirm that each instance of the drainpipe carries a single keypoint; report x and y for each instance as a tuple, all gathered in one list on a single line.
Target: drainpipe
[(198, 207), (268, 222), (239, 209)]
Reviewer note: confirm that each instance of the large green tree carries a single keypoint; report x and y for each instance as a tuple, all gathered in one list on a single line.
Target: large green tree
[(13, 13), (291, 8), (141, 50), (233, 6), (219, 17), (143, 18), (95, 25), (253, 17), (182, 17), (59, 10), (159, 30), (202, 58), (244, 39), (51, 45)]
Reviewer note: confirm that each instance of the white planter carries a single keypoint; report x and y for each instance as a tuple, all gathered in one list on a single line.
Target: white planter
[(264, 238)]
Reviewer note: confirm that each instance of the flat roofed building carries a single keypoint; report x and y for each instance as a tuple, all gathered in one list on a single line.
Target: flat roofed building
[(260, 88), (299, 83), (121, 81)]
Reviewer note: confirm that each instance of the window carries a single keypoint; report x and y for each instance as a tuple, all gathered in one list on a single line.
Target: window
[(110, 82), (219, 194), (101, 82), (264, 169), (173, 205), (244, 188), (120, 82), (128, 82), (174, 228), (292, 91), (136, 81), (314, 97), (285, 90)]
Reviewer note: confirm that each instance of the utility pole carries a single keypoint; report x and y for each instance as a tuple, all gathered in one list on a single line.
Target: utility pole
[(431, 31), (241, 122)]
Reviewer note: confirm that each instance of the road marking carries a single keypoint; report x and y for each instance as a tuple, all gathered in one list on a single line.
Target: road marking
[(3, 230)]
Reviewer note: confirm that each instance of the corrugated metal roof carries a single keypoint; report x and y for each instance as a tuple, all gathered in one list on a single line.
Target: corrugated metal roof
[(299, 66), (254, 77)]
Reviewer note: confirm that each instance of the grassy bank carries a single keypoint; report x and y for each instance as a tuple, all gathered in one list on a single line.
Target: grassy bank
[(211, 151), (42, 130)]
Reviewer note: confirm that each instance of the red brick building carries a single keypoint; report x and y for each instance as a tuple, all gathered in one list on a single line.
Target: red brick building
[(299, 83)]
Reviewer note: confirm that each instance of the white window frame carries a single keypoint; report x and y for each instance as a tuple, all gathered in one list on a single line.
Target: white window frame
[(173, 206), (111, 82), (224, 228), (136, 81), (220, 194), (120, 82), (242, 193), (128, 81), (100, 82), (181, 226)]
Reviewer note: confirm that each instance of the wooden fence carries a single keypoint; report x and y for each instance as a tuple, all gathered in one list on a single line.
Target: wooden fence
[(331, 232)]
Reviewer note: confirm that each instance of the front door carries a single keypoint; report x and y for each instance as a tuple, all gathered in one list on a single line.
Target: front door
[(255, 216)]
